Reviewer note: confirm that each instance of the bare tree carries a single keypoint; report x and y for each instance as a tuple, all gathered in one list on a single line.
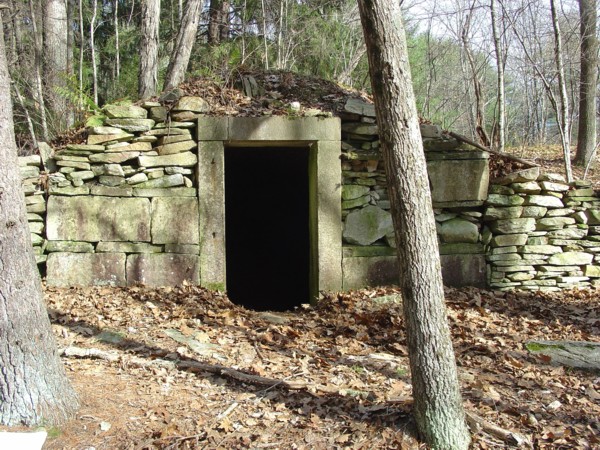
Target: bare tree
[(93, 50), (148, 72), (33, 385), (37, 68), (500, 97), (437, 401), (184, 42), (56, 60), (586, 136), (564, 120)]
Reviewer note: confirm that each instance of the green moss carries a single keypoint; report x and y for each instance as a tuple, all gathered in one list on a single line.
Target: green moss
[(538, 347)]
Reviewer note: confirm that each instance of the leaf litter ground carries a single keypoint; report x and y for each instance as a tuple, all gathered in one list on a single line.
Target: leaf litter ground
[(185, 368)]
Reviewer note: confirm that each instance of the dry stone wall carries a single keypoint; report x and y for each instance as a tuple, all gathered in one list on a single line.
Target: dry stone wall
[(542, 233), (459, 181), (123, 207), (35, 201)]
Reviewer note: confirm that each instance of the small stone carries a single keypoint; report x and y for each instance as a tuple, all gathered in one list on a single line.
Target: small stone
[(114, 169), (353, 191), (104, 130), (504, 200), (176, 147), (163, 182), (190, 103), (543, 200), (555, 187), (511, 226), (554, 223), (137, 178), (509, 240), (83, 175), (111, 180), (511, 212), (536, 212), (541, 249), (520, 176), (529, 187)]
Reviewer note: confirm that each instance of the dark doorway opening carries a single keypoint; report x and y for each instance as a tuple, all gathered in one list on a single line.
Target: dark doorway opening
[(267, 227)]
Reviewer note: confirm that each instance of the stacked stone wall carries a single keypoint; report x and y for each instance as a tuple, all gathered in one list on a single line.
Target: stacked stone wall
[(35, 201), (123, 207), (458, 178), (542, 233)]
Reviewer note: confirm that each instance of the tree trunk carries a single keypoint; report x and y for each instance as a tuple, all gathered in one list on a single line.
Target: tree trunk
[(563, 119), (586, 136), (117, 48), (437, 402), (184, 42), (148, 75), (93, 51), (37, 62), (500, 69), (33, 386), (56, 60), (218, 26)]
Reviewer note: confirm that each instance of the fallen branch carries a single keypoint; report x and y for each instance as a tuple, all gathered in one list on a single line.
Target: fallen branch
[(195, 367), (466, 140), (477, 423)]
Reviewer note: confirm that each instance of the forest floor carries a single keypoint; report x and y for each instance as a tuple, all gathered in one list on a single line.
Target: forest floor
[(183, 367)]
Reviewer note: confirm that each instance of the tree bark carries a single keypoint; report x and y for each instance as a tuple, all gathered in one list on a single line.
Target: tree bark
[(37, 62), (56, 60), (186, 36), (218, 23), (500, 81), (33, 386), (586, 135), (148, 74), (93, 51), (437, 401), (564, 123)]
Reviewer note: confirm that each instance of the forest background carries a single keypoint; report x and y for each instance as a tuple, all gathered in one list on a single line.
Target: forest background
[(503, 72)]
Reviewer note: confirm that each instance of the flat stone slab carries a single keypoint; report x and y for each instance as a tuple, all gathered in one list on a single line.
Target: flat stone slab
[(125, 112), (469, 180), (95, 219), (581, 355), (185, 159), (85, 269), (571, 258), (162, 269)]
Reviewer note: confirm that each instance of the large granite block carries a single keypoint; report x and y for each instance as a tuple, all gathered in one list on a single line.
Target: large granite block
[(85, 269), (175, 220), (458, 180), (162, 269), (94, 219)]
